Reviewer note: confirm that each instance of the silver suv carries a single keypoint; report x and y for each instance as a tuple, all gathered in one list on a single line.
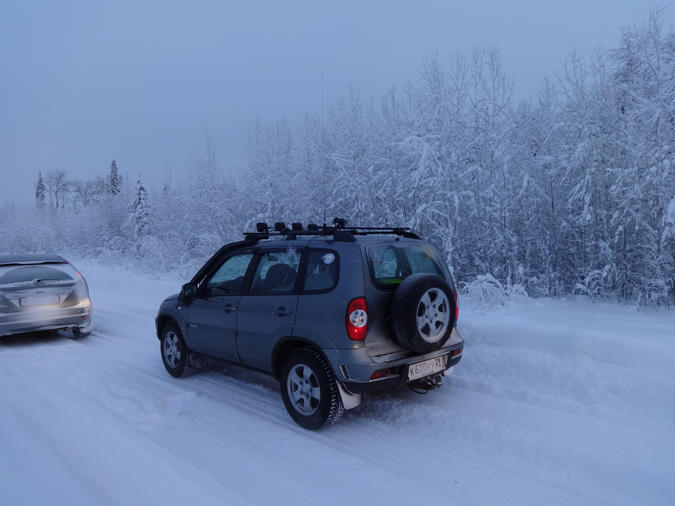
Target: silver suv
[(332, 312)]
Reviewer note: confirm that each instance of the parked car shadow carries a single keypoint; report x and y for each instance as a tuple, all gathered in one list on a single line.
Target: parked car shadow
[(37, 338)]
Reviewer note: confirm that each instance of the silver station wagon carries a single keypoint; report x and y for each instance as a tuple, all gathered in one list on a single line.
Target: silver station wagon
[(43, 292)]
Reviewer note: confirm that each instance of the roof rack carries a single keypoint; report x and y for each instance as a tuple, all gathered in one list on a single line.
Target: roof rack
[(339, 230)]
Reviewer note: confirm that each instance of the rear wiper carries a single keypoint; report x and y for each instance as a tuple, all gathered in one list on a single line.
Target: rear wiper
[(53, 280)]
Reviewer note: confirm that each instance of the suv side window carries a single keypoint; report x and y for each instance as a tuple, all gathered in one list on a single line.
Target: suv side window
[(229, 278), (276, 272), (322, 270)]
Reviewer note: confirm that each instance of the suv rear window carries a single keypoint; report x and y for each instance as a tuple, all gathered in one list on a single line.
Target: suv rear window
[(391, 264)]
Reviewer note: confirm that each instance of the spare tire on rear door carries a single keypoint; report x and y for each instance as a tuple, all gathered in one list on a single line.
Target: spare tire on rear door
[(423, 312)]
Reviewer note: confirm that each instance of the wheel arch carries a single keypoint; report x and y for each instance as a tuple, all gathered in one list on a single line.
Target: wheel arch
[(161, 322), (288, 344)]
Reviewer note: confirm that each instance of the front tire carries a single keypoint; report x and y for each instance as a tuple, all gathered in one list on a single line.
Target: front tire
[(309, 389), (175, 353)]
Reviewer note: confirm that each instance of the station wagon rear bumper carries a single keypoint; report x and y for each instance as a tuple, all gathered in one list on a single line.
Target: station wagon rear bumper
[(47, 318)]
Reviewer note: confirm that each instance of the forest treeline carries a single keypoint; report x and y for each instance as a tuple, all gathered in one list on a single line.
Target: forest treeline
[(571, 191)]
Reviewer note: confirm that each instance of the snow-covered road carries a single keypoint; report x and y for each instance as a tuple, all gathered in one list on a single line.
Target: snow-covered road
[(554, 402)]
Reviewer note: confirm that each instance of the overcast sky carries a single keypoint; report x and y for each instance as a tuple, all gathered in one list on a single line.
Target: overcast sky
[(144, 82)]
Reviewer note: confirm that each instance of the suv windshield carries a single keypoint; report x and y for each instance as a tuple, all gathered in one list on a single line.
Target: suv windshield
[(391, 264)]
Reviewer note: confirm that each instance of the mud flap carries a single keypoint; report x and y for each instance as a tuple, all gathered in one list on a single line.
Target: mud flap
[(349, 401)]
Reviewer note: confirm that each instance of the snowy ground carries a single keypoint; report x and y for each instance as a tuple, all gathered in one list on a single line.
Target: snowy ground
[(554, 402)]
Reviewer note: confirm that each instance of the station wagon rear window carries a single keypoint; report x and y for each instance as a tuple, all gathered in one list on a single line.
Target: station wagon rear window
[(35, 274), (391, 264)]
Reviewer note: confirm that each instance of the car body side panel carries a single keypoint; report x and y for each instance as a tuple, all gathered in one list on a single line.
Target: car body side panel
[(171, 310), (259, 327), (321, 316), (212, 329)]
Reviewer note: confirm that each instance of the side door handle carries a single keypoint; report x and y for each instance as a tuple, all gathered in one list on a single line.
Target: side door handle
[(229, 308), (282, 311)]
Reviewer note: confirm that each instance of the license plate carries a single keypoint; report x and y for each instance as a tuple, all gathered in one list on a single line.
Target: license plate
[(426, 367), (39, 300)]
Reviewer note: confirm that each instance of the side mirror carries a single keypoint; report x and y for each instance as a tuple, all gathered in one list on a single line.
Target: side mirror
[(187, 293)]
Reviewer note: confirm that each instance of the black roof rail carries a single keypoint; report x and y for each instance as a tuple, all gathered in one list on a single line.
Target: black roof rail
[(340, 231)]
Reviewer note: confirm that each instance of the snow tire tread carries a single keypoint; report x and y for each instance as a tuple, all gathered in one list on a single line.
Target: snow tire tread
[(333, 409), (186, 368)]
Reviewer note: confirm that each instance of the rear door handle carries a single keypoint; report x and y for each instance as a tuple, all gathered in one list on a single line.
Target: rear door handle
[(282, 311), (229, 308)]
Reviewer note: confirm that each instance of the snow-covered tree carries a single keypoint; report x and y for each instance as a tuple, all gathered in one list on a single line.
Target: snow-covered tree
[(571, 191), (57, 186), (139, 212), (114, 182), (40, 191)]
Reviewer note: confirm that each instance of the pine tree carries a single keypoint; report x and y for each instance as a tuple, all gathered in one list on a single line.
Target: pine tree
[(114, 180), (140, 211), (40, 191)]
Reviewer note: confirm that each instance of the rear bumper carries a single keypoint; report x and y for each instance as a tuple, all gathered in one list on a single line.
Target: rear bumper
[(391, 380), (48, 318), (354, 368)]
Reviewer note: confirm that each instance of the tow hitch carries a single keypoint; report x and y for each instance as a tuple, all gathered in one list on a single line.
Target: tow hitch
[(423, 385)]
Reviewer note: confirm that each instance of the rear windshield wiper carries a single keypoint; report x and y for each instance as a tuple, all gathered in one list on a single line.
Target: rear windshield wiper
[(53, 281)]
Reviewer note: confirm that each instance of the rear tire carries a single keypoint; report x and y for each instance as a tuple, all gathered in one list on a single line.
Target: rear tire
[(309, 389), (176, 356), (78, 334)]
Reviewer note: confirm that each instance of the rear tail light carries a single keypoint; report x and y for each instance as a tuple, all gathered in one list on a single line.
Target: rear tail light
[(357, 319), (456, 352), (454, 292), (80, 292), (77, 273)]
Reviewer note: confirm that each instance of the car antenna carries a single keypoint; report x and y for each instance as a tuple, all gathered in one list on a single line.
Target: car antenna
[(323, 150)]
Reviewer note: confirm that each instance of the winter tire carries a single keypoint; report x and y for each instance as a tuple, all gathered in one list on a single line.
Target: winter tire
[(422, 313), (309, 389), (175, 353)]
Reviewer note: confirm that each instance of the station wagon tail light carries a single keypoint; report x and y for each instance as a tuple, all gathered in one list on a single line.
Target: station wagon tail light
[(454, 292), (357, 319)]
